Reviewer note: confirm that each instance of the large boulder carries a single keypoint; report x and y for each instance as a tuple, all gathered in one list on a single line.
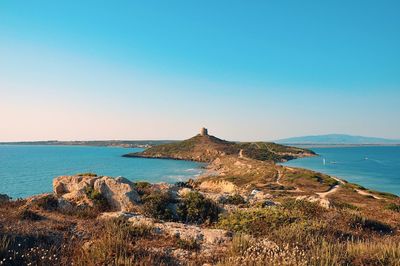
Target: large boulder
[(120, 193), (73, 187)]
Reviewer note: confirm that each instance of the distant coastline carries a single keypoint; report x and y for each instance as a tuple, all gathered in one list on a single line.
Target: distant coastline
[(318, 145), (100, 143)]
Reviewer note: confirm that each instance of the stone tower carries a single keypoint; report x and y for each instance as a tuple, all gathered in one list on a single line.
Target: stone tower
[(204, 132)]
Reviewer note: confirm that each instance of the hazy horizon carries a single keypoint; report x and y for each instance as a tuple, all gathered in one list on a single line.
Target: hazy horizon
[(145, 70)]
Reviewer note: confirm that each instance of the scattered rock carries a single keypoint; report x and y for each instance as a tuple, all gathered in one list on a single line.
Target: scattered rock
[(184, 191), (269, 203), (257, 196), (192, 232)]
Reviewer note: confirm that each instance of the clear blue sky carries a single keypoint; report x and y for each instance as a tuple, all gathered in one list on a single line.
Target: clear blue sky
[(247, 70)]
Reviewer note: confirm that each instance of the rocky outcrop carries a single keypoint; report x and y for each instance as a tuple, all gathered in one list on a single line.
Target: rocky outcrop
[(119, 192)]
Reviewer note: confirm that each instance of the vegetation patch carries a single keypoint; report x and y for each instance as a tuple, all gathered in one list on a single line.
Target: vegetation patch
[(29, 215), (143, 188), (256, 222), (235, 199), (87, 174), (362, 223), (195, 208), (393, 207), (159, 205), (99, 201), (188, 244), (48, 202)]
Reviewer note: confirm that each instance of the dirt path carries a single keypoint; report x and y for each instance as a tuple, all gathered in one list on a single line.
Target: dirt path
[(332, 189), (323, 195), (359, 191)]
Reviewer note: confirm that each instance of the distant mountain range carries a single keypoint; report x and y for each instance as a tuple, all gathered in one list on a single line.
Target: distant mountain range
[(332, 139)]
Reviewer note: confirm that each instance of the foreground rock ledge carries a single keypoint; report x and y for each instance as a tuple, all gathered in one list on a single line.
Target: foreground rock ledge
[(119, 192)]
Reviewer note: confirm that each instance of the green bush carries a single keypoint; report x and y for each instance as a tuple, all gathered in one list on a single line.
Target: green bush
[(159, 205), (305, 208), (143, 188), (256, 222), (48, 202), (195, 208), (362, 223), (87, 174), (99, 201), (184, 184), (235, 199)]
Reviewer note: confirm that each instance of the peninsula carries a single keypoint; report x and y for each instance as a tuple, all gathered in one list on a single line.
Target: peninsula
[(245, 209)]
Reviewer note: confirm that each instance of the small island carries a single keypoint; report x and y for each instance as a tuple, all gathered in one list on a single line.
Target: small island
[(245, 209)]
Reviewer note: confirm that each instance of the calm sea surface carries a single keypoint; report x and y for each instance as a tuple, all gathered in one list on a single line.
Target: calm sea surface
[(28, 170), (372, 167)]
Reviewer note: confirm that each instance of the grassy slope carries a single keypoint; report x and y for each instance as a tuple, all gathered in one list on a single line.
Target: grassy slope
[(208, 148)]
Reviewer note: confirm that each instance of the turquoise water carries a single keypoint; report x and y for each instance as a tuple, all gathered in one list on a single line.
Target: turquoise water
[(29, 170), (376, 168)]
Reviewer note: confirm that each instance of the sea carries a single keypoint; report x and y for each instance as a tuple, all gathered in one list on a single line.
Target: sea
[(374, 167), (27, 170)]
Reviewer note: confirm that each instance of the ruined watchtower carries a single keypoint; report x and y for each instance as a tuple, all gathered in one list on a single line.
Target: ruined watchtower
[(204, 132)]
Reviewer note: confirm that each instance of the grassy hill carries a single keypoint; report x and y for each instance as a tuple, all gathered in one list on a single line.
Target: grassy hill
[(206, 148)]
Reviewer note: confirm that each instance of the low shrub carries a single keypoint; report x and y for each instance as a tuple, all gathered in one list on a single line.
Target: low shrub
[(87, 174), (99, 201), (159, 205), (256, 222), (29, 215), (393, 207), (48, 202), (116, 245), (344, 205), (143, 188), (188, 244), (362, 223), (195, 208), (235, 199), (306, 208), (184, 184)]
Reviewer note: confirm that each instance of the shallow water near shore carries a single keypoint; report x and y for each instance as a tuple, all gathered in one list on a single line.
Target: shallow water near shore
[(374, 167), (26, 170)]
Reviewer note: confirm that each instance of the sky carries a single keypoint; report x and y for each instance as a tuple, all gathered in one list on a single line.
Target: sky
[(246, 70)]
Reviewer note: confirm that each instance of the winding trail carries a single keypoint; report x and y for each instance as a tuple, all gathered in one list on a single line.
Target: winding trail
[(359, 191), (333, 189)]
